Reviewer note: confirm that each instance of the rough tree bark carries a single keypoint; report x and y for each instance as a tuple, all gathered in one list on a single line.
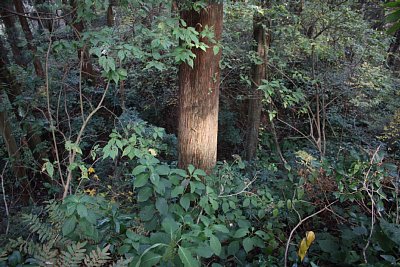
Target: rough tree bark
[(19, 7), (12, 32), (199, 94), (262, 42)]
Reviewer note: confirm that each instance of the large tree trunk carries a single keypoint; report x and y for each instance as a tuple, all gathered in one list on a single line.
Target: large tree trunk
[(262, 40), (19, 7), (199, 94), (13, 91), (12, 32)]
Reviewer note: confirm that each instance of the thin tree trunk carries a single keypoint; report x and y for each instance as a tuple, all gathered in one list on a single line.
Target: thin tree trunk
[(199, 94), (11, 144), (262, 40), (12, 33), (393, 49), (19, 7), (83, 53), (13, 151)]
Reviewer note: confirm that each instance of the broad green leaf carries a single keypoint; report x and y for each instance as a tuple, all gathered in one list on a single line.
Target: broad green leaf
[(162, 206), (241, 232), (138, 169), (185, 201), (248, 244), (215, 245), (141, 179), (82, 210), (144, 194), (187, 258), (221, 228), (69, 226), (163, 169)]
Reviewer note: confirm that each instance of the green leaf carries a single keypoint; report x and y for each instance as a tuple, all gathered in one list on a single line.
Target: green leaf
[(49, 168), (393, 17), (216, 49), (204, 251), (200, 172), (233, 247), (248, 244), (162, 206), (221, 228), (150, 259), (138, 169), (187, 258), (163, 169), (177, 191), (215, 245), (141, 180), (241, 232), (69, 226), (185, 202), (144, 194), (82, 210), (139, 262)]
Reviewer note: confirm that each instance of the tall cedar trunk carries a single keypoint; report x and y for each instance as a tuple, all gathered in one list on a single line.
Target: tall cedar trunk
[(393, 49), (110, 15), (19, 7), (83, 53), (262, 42), (13, 91), (12, 33), (199, 94)]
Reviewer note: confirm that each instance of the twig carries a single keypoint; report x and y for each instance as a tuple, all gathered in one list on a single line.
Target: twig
[(79, 137), (298, 225), (4, 197), (371, 196), (241, 191)]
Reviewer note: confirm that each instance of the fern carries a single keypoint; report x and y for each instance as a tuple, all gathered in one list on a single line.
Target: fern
[(98, 257), (122, 263), (45, 255), (74, 255)]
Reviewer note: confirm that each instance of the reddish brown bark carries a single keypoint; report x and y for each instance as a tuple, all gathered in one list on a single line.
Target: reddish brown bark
[(110, 15), (19, 7), (262, 41), (199, 95)]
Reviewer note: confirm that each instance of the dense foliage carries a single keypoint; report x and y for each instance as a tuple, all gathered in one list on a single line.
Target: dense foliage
[(88, 135)]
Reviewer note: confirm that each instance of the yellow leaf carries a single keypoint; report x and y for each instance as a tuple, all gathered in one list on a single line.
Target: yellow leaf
[(305, 244), (303, 249), (91, 170), (310, 237)]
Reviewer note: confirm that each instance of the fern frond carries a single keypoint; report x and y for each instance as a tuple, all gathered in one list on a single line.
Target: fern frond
[(122, 263), (98, 257), (73, 256), (45, 255)]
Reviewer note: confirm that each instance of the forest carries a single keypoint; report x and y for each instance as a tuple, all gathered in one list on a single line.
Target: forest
[(200, 133)]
